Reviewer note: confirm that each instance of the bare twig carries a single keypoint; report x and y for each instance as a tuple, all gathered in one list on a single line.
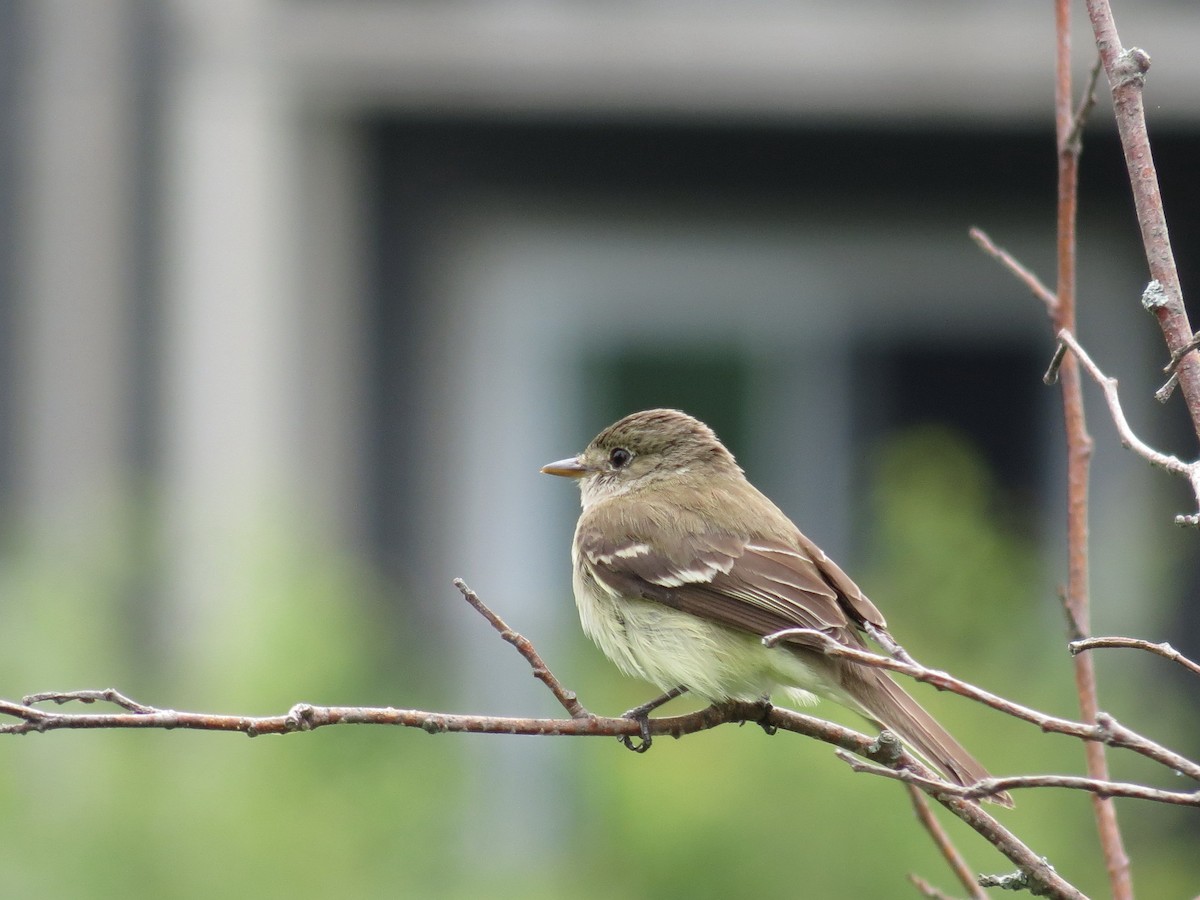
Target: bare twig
[(1074, 142), (306, 717), (1060, 307), (1109, 386), (1178, 355), (1041, 873), (925, 889), (942, 841), (1164, 649), (989, 787), (884, 639), (1051, 377), (567, 698), (1077, 601), (1106, 730), (1126, 70), (1190, 471), (109, 695), (1077, 597), (1023, 274)]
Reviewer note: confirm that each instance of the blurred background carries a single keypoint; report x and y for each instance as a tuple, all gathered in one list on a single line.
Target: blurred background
[(296, 297)]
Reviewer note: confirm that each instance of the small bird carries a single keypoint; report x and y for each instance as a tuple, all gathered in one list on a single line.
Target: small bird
[(681, 567)]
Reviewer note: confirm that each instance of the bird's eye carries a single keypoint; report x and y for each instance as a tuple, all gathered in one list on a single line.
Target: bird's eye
[(619, 457)]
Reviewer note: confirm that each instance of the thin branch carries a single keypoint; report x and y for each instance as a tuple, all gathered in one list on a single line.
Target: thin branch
[(925, 889), (884, 639), (942, 841), (1074, 142), (307, 717), (889, 753), (1126, 70), (1190, 471), (1044, 880), (1164, 649), (989, 787), (1106, 730), (1178, 355), (109, 695), (1077, 601), (566, 698), (1109, 386), (1026, 277), (1051, 377)]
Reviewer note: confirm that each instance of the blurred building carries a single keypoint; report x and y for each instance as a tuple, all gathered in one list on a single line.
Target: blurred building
[(382, 260)]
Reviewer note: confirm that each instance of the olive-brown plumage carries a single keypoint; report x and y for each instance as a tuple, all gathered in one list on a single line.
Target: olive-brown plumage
[(681, 567)]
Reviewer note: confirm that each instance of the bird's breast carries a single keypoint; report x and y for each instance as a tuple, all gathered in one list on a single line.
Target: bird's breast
[(670, 648)]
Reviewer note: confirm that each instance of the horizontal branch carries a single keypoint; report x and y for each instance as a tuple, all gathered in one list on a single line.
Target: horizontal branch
[(1164, 649), (884, 752), (307, 717), (989, 787), (1106, 730)]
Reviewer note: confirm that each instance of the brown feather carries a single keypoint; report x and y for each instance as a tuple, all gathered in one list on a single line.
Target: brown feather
[(675, 522), (762, 585), (888, 705)]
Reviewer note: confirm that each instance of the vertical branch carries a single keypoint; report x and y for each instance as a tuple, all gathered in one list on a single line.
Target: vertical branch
[(1079, 449), (1079, 442), (1126, 70), (955, 859)]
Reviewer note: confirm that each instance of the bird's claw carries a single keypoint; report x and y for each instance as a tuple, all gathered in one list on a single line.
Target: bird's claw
[(765, 725), (642, 742), (641, 715)]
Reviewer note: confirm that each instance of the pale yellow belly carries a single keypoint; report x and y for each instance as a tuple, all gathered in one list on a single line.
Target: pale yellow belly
[(670, 649)]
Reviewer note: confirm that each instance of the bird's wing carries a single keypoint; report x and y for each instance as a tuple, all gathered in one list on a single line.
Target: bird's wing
[(746, 582), (762, 586)]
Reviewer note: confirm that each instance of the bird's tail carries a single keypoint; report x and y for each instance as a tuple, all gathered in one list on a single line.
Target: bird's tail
[(887, 704)]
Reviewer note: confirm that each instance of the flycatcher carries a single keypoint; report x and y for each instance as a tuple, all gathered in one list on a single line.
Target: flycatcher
[(681, 567)]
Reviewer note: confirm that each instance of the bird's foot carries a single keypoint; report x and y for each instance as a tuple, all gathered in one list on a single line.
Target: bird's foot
[(640, 743), (756, 711), (766, 706), (641, 715)]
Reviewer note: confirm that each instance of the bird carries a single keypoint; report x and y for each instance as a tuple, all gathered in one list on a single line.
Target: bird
[(681, 567)]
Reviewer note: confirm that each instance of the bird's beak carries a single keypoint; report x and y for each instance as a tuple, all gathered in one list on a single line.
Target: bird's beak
[(570, 467)]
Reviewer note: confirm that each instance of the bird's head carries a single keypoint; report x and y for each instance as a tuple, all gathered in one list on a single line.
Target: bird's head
[(645, 448)]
